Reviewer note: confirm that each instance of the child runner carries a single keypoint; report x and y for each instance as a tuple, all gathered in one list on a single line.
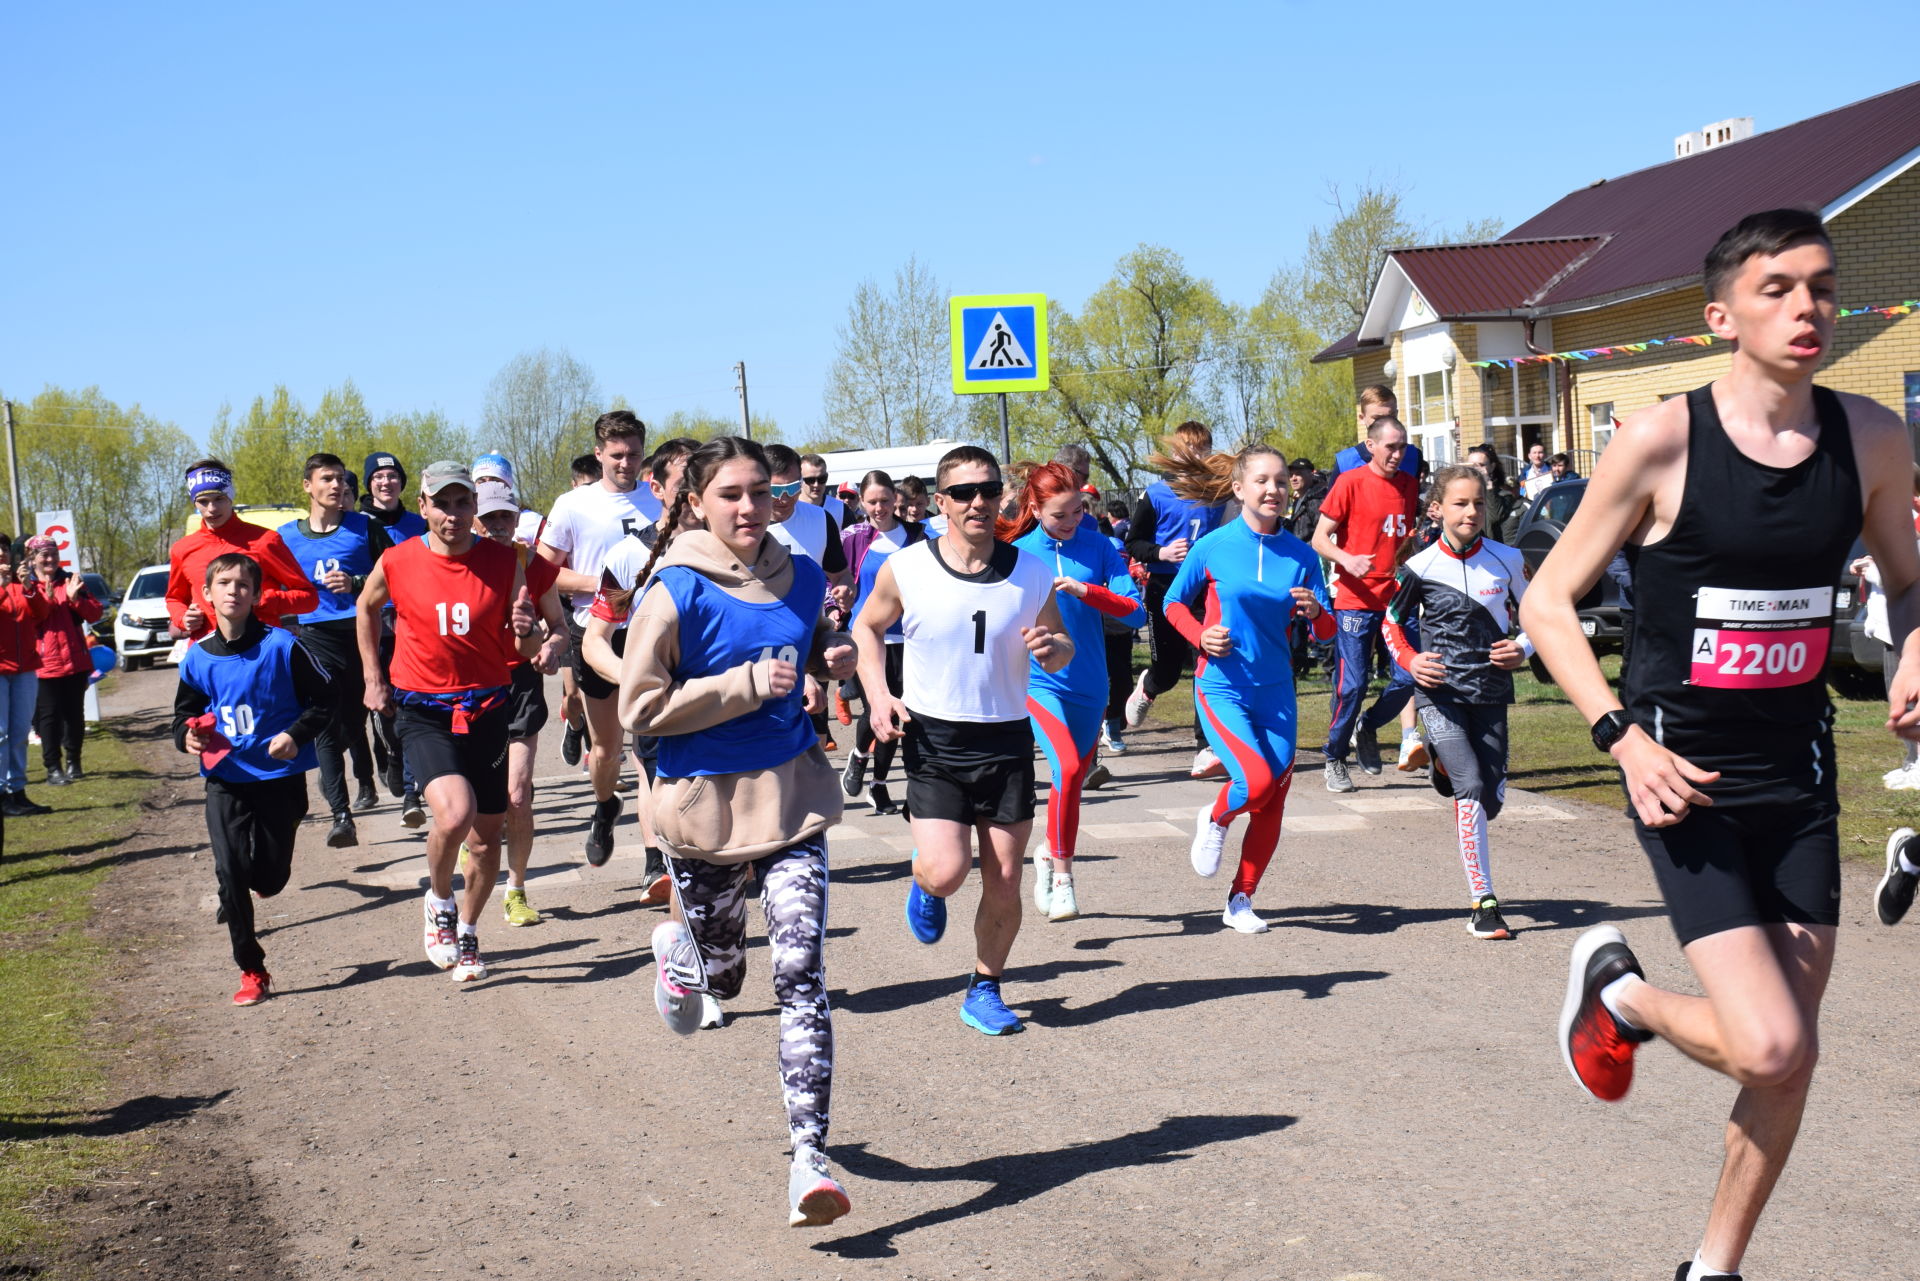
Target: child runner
[(250, 703), (712, 666), (867, 546), (1254, 577), (1465, 591), (1091, 584)]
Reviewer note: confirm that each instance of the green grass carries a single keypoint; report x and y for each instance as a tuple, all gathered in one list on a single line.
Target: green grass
[(53, 974), (1551, 752)]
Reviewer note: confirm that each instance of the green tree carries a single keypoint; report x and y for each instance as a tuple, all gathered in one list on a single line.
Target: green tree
[(539, 412), (265, 447), (698, 424), (890, 382)]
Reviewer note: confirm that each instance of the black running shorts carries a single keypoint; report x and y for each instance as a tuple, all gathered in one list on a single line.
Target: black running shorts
[(526, 703), (591, 683), (479, 755), (969, 772), (1720, 868)]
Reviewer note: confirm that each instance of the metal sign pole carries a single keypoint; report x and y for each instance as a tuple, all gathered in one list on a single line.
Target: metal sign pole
[(13, 470), (746, 423), (1006, 442)]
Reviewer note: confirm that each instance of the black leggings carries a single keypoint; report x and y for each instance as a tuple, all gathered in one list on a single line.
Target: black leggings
[(344, 737), (864, 740), (1119, 672), (59, 718), (1171, 655), (251, 827)]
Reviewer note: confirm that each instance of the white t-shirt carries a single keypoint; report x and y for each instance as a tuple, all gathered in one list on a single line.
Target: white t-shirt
[(527, 532), (624, 563), (965, 659), (805, 532), (586, 524), (833, 507)]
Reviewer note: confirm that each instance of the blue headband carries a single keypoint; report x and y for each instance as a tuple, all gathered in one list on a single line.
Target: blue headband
[(207, 480)]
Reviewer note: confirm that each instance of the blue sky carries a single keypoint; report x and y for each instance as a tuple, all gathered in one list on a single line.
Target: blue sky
[(207, 200)]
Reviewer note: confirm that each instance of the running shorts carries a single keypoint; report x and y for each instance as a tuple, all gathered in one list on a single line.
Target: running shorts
[(526, 703), (479, 755), (1722, 868), (591, 683), (968, 771)]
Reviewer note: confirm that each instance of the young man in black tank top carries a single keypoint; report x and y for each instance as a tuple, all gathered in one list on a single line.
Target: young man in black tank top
[(1725, 744)]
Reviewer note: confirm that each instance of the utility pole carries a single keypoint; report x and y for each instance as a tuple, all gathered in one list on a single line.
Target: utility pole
[(1006, 441), (740, 385), (13, 470)]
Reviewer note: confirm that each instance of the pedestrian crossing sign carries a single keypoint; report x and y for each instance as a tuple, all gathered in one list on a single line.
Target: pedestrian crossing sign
[(999, 342)]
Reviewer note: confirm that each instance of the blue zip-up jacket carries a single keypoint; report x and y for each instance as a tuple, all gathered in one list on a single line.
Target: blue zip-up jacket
[(1090, 558), (1244, 581)]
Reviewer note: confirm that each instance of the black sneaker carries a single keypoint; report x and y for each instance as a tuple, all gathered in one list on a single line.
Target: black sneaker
[(1098, 778), (411, 812), (1486, 921), (881, 802), (1680, 1273), (366, 798), (17, 805), (600, 831), (343, 836), (854, 776), (570, 746), (1895, 894), (1366, 748), (74, 773), (56, 777), (394, 775)]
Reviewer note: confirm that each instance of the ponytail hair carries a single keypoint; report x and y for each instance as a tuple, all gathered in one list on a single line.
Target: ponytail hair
[(1191, 467), (1044, 483), (702, 463)]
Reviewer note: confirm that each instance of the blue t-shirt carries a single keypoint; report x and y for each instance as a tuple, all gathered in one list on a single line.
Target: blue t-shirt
[(1175, 518), (1090, 558), (346, 548), (252, 698), (719, 632), (1244, 581), (1357, 456)]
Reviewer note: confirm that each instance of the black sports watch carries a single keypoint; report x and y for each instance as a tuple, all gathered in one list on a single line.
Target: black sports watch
[(1608, 729)]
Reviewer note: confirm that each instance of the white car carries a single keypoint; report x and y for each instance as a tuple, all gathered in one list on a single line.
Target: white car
[(140, 630)]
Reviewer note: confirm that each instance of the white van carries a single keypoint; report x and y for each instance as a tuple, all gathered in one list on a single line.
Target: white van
[(140, 630)]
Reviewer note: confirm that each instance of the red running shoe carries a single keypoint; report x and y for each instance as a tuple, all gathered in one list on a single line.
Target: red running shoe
[(841, 712), (1597, 1048), (253, 987)]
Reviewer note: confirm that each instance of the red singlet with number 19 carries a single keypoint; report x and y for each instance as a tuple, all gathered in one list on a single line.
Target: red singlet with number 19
[(451, 616)]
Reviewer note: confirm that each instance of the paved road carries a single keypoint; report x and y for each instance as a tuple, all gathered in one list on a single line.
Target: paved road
[(1363, 1092)]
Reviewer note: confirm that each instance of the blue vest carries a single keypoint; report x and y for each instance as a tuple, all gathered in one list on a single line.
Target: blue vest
[(345, 549), (1175, 518), (870, 565), (717, 634), (252, 698)]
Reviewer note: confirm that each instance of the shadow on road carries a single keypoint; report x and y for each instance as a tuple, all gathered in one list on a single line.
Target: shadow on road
[(1385, 918), (1052, 1011), (123, 1118), (899, 996), (1020, 1176)]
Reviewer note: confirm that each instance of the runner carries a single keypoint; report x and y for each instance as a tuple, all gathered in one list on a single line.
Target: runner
[(1251, 578), (499, 515), (384, 502), (250, 703), (867, 546), (586, 524), (912, 493), (586, 470), (284, 588), (1465, 591), (1091, 585), (813, 488), (337, 548), (713, 668), (1725, 741), (812, 528), (1366, 528), (973, 612), (1166, 522), (458, 603)]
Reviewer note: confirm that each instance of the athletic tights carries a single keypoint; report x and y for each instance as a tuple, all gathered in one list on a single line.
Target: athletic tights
[(1252, 732), (1067, 732), (865, 741)]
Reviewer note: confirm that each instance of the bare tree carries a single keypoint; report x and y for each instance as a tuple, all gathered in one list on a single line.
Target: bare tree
[(539, 412), (889, 383)]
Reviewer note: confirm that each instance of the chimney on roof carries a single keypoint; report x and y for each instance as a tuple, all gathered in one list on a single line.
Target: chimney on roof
[(1717, 134)]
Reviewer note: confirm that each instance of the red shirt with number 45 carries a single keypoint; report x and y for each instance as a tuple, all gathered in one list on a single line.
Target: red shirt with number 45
[(1375, 514)]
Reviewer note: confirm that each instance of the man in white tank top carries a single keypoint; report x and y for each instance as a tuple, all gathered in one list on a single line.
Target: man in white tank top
[(974, 611)]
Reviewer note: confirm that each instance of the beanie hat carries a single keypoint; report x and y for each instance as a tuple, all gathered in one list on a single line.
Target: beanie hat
[(379, 461)]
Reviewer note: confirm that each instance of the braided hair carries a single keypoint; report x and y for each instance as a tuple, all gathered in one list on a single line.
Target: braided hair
[(702, 463)]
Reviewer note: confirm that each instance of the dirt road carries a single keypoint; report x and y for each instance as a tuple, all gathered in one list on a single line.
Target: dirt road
[(1363, 1092)]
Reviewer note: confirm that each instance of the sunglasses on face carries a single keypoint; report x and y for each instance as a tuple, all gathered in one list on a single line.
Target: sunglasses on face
[(979, 489), (787, 490), (813, 480)]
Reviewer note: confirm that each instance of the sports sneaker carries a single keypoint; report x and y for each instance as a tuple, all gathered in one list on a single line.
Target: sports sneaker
[(841, 712), (600, 831), (1365, 744), (926, 915), (1685, 1270), (1904, 779), (253, 987), (1098, 777), (1338, 780), (659, 882), (570, 746), (342, 834), (854, 776), (984, 1011), (1486, 921), (677, 978), (1042, 877), (518, 910), (411, 812), (1413, 753), (711, 1015), (1240, 916), (1138, 702), (394, 775), (442, 947), (1597, 1047), (56, 777), (1062, 905), (1206, 765), (878, 798), (1110, 736), (467, 965), (1208, 840), (813, 1198), (366, 798), (827, 744), (626, 783), (1895, 893)]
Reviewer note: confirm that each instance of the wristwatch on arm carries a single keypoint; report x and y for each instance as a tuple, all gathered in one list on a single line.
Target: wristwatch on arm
[(1609, 728)]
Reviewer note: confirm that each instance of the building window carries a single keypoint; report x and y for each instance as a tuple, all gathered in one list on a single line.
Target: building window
[(1600, 419), (1913, 401), (1427, 399)]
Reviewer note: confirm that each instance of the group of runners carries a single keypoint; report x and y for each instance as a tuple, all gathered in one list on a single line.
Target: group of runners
[(716, 594)]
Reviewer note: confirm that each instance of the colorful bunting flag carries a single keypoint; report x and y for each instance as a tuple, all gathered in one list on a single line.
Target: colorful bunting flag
[(1693, 340)]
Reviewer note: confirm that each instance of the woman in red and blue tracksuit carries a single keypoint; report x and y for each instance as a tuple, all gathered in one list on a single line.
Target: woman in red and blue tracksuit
[(1067, 706), (1235, 598)]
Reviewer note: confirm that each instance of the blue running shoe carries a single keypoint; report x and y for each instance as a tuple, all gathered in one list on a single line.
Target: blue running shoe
[(926, 915), (984, 1011)]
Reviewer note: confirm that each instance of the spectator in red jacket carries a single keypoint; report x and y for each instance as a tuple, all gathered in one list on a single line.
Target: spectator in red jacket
[(284, 586), (22, 610), (65, 661)]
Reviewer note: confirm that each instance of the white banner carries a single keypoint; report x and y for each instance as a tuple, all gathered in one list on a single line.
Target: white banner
[(59, 527)]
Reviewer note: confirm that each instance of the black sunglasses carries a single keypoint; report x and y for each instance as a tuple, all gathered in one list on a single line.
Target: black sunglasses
[(813, 480), (977, 489)]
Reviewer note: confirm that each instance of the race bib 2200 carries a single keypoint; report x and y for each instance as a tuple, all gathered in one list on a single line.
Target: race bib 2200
[(1760, 639)]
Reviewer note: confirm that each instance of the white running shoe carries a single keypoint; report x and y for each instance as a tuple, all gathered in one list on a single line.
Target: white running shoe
[(1063, 906), (441, 944), (711, 1015), (1208, 840), (1904, 779), (468, 967), (1239, 916), (813, 1197), (676, 978), (1338, 780), (1206, 765), (1138, 702), (1110, 741), (1042, 876)]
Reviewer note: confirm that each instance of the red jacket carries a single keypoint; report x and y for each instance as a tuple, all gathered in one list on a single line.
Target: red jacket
[(63, 644), (284, 586), (21, 612)]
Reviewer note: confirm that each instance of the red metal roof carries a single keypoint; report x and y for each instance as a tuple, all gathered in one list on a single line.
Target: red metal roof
[(1492, 278)]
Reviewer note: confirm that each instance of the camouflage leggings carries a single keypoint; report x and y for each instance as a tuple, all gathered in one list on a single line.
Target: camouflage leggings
[(793, 891)]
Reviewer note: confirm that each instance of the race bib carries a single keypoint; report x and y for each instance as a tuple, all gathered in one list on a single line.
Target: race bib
[(1760, 640)]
